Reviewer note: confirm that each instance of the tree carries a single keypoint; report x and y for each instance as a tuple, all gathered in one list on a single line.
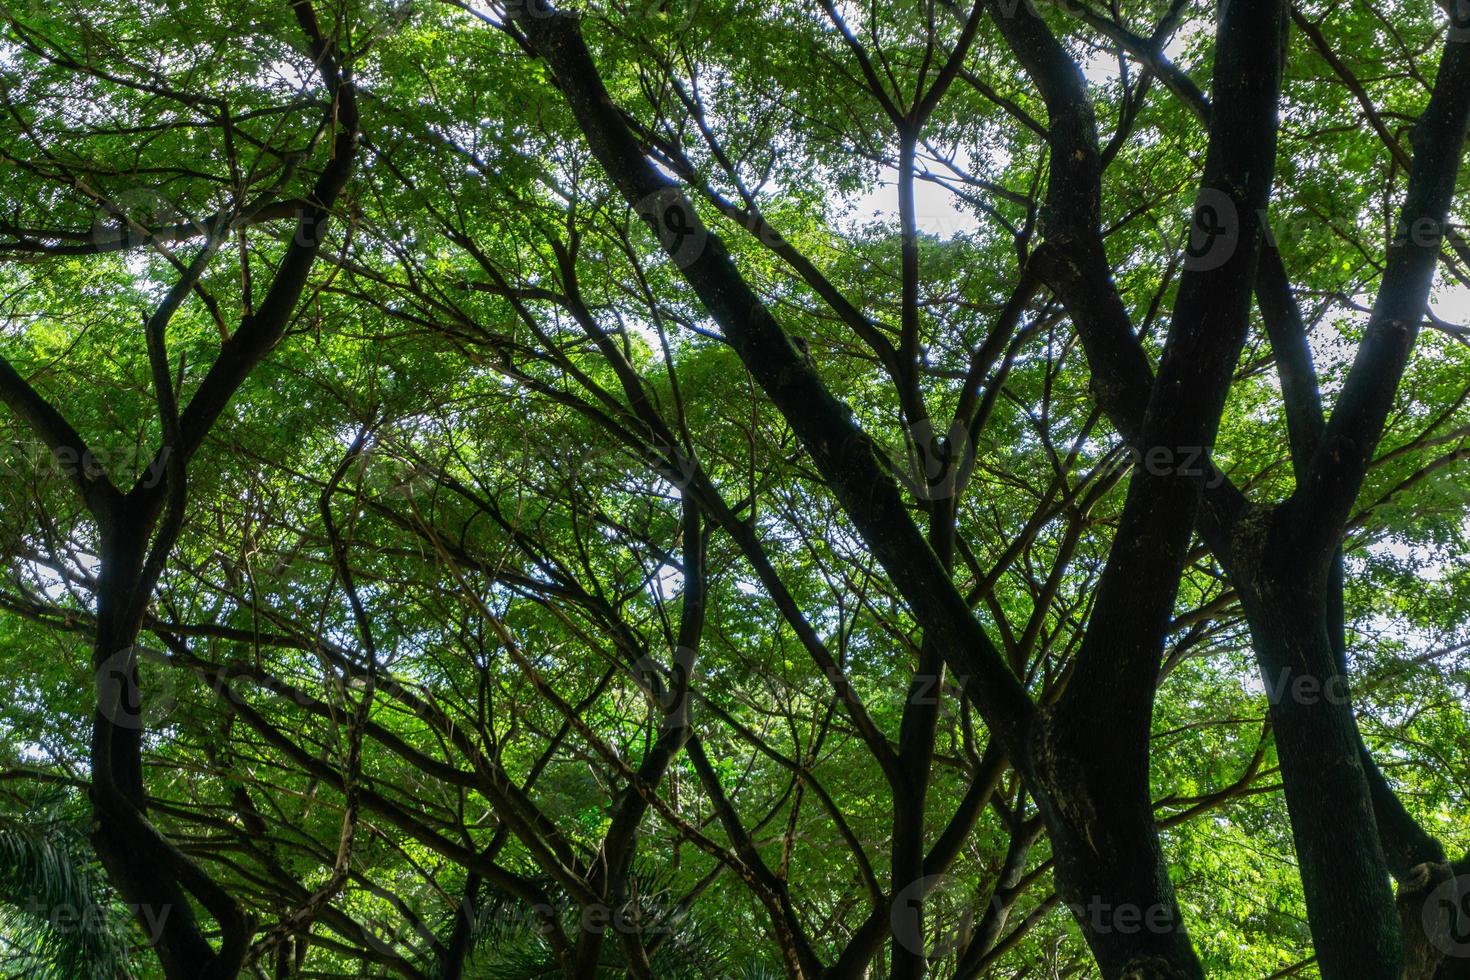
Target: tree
[(587, 549)]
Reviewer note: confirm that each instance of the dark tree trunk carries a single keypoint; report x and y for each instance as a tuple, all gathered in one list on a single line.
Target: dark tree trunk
[(1344, 872), (1110, 871)]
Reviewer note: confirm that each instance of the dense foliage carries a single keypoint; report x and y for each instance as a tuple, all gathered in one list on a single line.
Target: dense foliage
[(457, 524)]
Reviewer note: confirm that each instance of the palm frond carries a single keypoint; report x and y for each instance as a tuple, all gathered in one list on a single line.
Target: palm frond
[(56, 920)]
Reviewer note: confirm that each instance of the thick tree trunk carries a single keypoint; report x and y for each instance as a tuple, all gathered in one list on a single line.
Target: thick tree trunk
[(1345, 877), (1110, 870), (118, 795), (916, 744)]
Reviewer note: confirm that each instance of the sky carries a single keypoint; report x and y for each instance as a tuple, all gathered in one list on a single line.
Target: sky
[(940, 213)]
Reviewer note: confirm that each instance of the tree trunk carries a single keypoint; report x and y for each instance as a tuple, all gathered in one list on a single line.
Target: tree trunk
[(1344, 873), (1110, 870)]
